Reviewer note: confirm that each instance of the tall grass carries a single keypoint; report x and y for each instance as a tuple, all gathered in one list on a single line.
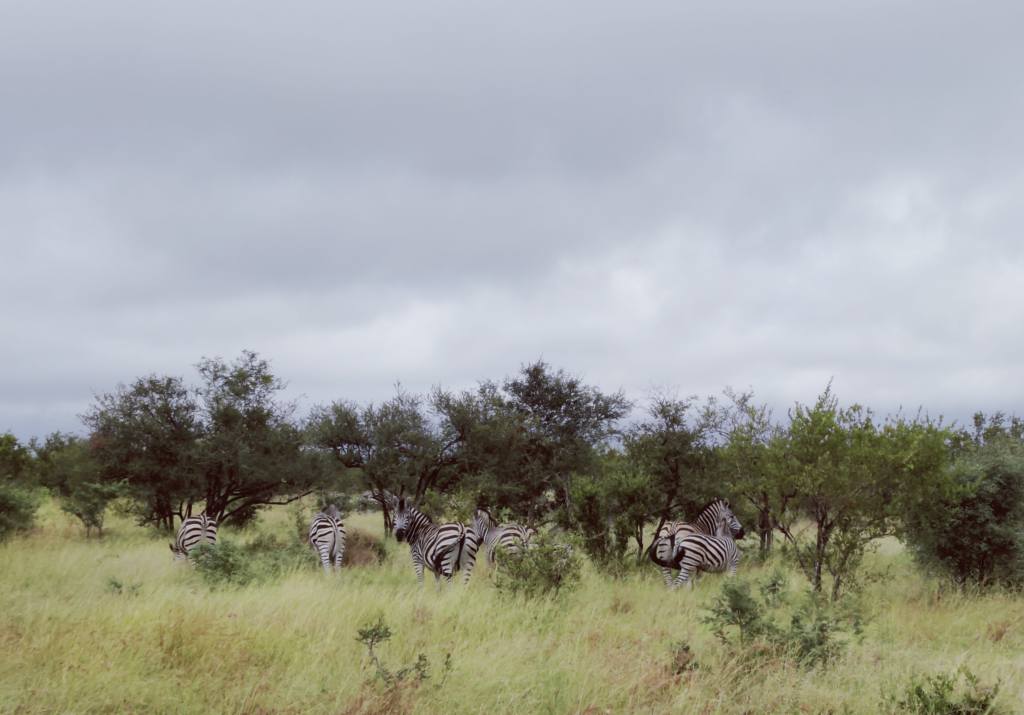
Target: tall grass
[(71, 640)]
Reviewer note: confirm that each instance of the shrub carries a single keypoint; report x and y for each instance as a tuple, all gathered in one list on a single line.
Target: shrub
[(811, 636), (940, 695), (547, 567), (980, 538), (222, 563), (17, 510)]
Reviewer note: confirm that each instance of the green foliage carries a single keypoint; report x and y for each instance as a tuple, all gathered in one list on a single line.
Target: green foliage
[(942, 694), (116, 586), (682, 658), (856, 480), (812, 635), (673, 453), (373, 634), (230, 444), (737, 607), (548, 567), (18, 502), (979, 539), (17, 510), (223, 563)]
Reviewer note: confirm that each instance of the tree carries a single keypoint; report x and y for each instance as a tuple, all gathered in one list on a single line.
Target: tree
[(146, 436), (395, 447), (252, 449), (230, 445), (67, 468), (560, 422), (674, 451), (746, 460), (979, 536), (18, 504), (855, 480)]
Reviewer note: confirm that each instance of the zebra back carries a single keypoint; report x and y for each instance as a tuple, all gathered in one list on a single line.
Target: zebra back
[(193, 530), (327, 536), (700, 552), (508, 537), (441, 548)]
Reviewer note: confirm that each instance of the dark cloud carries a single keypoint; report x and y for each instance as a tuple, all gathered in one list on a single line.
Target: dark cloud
[(681, 193)]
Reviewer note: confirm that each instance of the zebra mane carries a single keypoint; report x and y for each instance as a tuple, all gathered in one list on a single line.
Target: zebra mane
[(484, 515), (332, 511), (717, 500), (406, 504)]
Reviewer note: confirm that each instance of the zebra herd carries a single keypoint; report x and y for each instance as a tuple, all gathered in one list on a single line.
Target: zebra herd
[(707, 544)]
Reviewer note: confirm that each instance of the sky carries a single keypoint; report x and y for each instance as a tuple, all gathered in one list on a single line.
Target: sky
[(681, 194)]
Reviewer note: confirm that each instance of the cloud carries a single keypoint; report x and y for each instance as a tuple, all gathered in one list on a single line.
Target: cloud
[(687, 194)]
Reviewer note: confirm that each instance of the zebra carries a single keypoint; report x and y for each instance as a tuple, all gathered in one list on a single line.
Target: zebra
[(508, 537), (327, 535), (715, 519), (442, 548), (700, 552), (193, 529)]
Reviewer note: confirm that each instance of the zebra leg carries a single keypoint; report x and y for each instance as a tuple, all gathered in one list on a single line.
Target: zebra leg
[(668, 576), (418, 567), (467, 559), (325, 556)]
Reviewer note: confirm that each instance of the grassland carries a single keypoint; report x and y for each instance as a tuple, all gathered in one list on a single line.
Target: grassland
[(72, 642)]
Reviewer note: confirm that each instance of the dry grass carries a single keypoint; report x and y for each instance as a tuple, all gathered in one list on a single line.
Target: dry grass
[(70, 642)]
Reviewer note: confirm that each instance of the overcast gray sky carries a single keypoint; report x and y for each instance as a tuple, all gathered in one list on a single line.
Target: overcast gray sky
[(690, 194)]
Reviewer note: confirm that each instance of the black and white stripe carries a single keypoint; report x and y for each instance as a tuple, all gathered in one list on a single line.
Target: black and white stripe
[(327, 536), (508, 537), (193, 530), (716, 519), (442, 548), (700, 552)]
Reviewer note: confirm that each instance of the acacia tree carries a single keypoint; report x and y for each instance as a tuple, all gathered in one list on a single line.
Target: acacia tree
[(674, 450), (230, 445), (558, 423), (252, 449), (856, 480), (397, 446), (747, 464), (145, 435)]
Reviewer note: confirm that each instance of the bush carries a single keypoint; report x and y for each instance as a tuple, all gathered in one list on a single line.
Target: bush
[(811, 636), (980, 538), (547, 567), (17, 510), (940, 695), (222, 563)]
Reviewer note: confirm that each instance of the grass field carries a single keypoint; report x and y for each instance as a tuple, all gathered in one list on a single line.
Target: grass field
[(71, 641)]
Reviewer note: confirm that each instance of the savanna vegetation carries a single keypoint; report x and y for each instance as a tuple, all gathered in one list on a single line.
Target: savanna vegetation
[(881, 571)]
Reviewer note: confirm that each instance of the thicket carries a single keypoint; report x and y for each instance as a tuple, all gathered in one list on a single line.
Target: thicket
[(545, 449), (978, 538)]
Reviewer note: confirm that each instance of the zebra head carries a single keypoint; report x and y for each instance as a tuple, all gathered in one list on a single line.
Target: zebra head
[(402, 515), (730, 524), (483, 522)]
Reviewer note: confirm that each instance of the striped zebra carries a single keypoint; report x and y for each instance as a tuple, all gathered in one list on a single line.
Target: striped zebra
[(508, 537), (327, 536), (700, 552), (442, 548), (193, 530), (716, 519)]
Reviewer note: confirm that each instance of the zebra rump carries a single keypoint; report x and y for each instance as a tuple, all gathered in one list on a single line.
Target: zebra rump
[(510, 538), (441, 548), (193, 530), (327, 536)]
